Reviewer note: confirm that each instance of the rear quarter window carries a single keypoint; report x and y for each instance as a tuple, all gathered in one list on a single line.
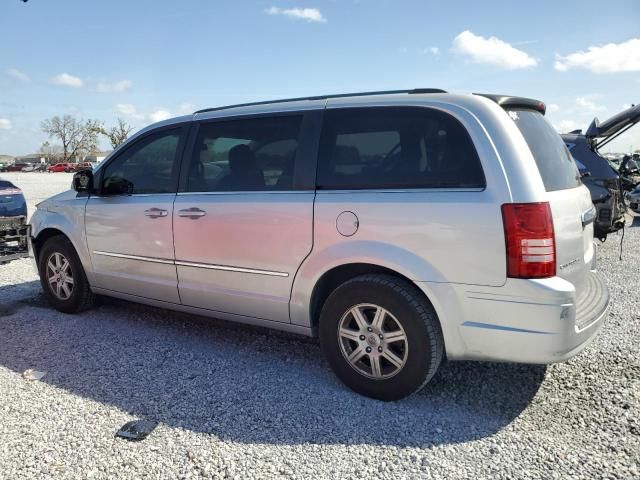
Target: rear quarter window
[(555, 163), (396, 147)]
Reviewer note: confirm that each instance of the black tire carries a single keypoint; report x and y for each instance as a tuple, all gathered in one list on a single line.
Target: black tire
[(411, 309), (81, 297)]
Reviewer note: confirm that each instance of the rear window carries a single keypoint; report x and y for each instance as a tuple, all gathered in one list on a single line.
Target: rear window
[(5, 184), (556, 166), (396, 147)]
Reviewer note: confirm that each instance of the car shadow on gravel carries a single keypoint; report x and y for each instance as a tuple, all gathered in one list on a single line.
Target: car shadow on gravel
[(247, 385)]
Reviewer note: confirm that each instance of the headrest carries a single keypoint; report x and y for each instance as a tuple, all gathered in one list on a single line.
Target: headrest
[(241, 159)]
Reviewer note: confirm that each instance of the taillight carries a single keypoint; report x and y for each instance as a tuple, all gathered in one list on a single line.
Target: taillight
[(530, 241)]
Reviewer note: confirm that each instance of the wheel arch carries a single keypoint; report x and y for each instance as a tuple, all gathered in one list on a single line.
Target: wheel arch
[(336, 276), (44, 228), (43, 236), (307, 310), (341, 261)]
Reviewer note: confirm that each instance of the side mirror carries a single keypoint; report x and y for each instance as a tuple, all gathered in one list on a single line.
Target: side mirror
[(83, 181)]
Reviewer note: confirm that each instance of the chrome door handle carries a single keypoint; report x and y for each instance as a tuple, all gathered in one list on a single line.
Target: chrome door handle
[(156, 213), (193, 213)]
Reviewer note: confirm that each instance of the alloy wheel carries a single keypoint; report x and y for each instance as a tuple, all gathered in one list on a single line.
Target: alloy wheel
[(373, 341), (60, 276)]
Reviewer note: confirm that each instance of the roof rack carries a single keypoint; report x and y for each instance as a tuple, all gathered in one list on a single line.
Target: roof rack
[(324, 97)]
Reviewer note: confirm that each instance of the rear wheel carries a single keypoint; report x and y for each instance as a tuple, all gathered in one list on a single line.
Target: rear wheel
[(62, 276), (381, 336)]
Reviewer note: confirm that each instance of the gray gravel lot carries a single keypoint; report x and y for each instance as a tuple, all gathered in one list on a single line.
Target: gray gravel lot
[(240, 402)]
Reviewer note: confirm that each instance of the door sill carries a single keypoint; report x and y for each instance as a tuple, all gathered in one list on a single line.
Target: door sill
[(232, 317)]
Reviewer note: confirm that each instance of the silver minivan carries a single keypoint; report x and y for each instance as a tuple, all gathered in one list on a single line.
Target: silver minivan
[(400, 227)]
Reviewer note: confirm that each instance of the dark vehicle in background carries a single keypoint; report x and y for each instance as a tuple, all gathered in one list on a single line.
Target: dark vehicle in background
[(633, 197), (16, 167), (76, 167), (13, 222), (601, 179), (629, 172)]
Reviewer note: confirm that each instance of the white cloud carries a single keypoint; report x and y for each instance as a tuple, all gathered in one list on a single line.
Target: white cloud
[(587, 104), (492, 51), (5, 124), (609, 58), (307, 14), (432, 50), (66, 80), (159, 115), (114, 87), (565, 126), (132, 112), (553, 107), (186, 108), (129, 110), (18, 75)]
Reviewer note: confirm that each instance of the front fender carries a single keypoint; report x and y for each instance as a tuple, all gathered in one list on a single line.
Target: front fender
[(67, 217), (376, 253)]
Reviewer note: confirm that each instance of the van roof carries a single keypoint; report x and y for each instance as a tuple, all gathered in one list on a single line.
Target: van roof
[(505, 101), (325, 97)]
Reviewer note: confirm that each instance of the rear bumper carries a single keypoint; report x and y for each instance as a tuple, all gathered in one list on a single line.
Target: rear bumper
[(524, 321)]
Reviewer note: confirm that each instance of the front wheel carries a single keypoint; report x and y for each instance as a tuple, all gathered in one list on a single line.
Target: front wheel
[(62, 276), (381, 336)]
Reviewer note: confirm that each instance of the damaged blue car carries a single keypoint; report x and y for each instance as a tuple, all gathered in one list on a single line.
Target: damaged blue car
[(13, 223)]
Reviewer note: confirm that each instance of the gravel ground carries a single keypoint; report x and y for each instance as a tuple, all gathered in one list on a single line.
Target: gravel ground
[(240, 402)]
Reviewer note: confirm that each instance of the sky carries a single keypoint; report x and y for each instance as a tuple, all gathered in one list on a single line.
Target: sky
[(147, 60)]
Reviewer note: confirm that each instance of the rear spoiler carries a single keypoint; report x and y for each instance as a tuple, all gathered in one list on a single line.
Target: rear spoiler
[(508, 102)]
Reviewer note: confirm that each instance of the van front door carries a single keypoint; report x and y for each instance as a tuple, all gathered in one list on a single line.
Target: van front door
[(129, 223)]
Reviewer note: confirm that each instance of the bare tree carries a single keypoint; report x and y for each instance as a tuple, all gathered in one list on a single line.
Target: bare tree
[(117, 134), (51, 153), (78, 137)]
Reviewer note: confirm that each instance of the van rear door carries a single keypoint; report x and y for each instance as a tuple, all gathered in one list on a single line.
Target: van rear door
[(570, 201)]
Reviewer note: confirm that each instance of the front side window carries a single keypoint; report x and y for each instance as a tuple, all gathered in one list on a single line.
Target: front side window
[(253, 154), (148, 166), (396, 147)]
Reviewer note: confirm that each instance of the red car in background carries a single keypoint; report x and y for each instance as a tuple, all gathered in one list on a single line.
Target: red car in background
[(58, 167)]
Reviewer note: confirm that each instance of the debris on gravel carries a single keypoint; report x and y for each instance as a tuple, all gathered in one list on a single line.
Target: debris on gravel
[(137, 430), (33, 375), (240, 402)]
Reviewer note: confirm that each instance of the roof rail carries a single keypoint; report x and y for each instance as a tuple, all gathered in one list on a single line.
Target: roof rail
[(324, 97)]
